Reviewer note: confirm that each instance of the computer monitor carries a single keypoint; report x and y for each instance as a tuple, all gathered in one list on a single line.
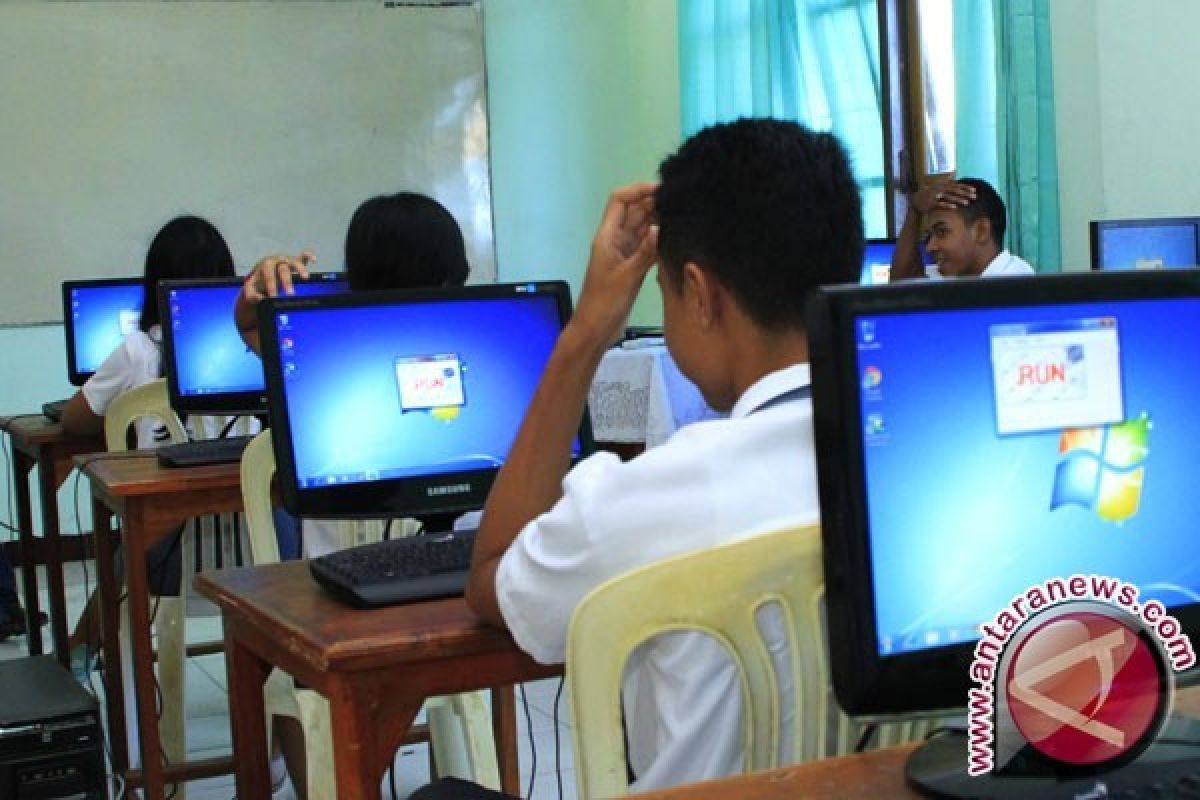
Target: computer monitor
[(97, 315), (877, 261), (1167, 243), (405, 403), (209, 368), (977, 437)]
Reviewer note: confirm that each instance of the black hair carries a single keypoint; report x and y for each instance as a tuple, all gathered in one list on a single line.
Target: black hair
[(187, 247), (404, 241), (986, 204), (769, 207)]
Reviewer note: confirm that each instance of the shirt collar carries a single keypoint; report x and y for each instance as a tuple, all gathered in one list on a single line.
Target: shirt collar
[(770, 386), (997, 264)]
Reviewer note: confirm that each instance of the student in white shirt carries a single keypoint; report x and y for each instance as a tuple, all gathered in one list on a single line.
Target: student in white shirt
[(965, 222), (749, 217), (405, 240), (187, 247)]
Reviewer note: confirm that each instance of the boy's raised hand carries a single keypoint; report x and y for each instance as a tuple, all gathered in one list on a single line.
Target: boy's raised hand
[(623, 250)]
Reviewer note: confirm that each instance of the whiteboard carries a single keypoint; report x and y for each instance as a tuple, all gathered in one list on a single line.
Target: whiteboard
[(274, 120)]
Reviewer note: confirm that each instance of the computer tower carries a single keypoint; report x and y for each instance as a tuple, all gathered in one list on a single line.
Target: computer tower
[(51, 743)]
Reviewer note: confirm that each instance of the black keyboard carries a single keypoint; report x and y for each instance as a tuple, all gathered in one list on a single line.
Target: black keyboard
[(54, 411), (401, 570), (206, 451)]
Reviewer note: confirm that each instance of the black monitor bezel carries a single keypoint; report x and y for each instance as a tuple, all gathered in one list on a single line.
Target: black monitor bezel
[(865, 682), (408, 497), (245, 402), (76, 376), (1096, 226)]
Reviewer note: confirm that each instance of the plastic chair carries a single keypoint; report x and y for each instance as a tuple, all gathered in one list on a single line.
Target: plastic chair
[(150, 400), (716, 591), (460, 729)]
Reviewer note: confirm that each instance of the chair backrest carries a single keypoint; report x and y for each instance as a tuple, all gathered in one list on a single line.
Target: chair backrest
[(258, 469), (148, 400), (719, 592)]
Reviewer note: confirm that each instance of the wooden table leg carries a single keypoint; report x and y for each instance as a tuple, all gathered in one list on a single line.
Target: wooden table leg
[(108, 598), (364, 741), (504, 729), (247, 674), (48, 484), (22, 467), (136, 537)]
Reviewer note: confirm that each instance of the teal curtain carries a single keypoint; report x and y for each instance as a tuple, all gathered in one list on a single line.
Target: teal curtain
[(975, 96), (813, 61), (1025, 131)]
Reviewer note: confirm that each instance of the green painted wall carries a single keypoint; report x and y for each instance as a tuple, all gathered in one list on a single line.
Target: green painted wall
[(1127, 113), (584, 97)]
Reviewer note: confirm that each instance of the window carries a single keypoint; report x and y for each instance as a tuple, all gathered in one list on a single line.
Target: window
[(878, 73)]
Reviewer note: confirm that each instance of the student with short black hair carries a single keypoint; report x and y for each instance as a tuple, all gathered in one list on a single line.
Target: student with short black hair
[(965, 222), (749, 218), (398, 241), (186, 248)]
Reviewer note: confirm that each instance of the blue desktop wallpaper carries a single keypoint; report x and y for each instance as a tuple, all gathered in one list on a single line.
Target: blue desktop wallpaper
[(881, 252), (1122, 247), (875, 253), (960, 519), (96, 313), (343, 397), (210, 356)]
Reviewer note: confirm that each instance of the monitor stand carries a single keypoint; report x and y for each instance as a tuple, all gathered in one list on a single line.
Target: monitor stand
[(437, 523), (938, 768)]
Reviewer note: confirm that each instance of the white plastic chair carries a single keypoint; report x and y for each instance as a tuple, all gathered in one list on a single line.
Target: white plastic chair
[(460, 729), (716, 591), (150, 400)]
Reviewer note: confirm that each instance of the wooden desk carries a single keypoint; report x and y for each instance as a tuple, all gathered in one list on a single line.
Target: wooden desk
[(375, 667), (152, 502), (869, 776), (38, 442)]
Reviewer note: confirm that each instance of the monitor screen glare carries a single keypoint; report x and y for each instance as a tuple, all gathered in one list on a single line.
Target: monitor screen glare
[(394, 390), (209, 355), (101, 316), (1146, 244), (989, 446), (1057, 441)]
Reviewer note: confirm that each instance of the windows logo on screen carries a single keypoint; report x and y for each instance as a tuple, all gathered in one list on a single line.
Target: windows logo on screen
[(1103, 468)]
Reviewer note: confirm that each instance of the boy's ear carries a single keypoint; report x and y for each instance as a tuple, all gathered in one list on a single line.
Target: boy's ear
[(700, 294), (981, 231)]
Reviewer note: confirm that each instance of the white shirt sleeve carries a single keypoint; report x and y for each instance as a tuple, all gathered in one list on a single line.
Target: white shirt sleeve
[(114, 376), (553, 557)]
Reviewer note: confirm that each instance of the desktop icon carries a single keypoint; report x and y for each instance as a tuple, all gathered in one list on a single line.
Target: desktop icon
[(872, 377), (866, 330), (875, 425), (1103, 468)]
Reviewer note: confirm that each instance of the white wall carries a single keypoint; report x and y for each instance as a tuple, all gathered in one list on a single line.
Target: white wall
[(1128, 114), (583, 97)]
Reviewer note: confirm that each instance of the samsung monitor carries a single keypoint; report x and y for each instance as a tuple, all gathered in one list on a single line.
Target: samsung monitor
[(977, 437), (877, 261), (1124, 244), (97, 315), (405, 403), (208, 366)]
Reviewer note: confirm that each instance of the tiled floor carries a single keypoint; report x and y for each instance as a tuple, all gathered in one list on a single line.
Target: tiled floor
[(208, 719)]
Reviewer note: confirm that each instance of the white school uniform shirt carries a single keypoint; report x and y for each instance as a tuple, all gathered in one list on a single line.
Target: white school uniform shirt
[(1005, 264), (135, 362), (711, 483)]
